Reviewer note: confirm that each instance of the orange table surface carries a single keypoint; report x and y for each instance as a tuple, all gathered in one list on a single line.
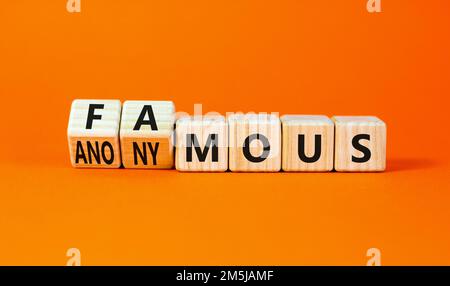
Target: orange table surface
[(292, 57)]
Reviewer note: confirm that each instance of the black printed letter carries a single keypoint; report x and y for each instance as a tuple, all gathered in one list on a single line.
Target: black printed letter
[(111, 150), (363, 149), (317, 148), (266, 148), (151, 118), (91, 115), (191, 139), (80, 153)]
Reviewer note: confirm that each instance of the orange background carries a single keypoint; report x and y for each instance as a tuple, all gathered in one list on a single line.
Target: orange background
[(303, 57)]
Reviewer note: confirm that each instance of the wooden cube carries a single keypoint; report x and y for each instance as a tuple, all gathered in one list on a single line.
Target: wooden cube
[(202, 144), (146, 134), (93, 133), (255, 143), (308, 143), (360, 144)]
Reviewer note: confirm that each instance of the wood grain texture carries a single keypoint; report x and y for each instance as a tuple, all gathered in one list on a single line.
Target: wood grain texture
[(96, 146), (347, 127), (147, 147), (309, 127), (241, 126), (208, 131)]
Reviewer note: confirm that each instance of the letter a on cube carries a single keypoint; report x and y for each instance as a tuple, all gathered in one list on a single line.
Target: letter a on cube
[(202, 144), (360, 144), (146, 134), (93, 133), (255, 143)]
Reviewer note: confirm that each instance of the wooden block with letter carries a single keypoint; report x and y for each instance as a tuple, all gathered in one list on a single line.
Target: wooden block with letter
[(308, 143), (146, 134), (202, 144), (93, 133), (254, 143), (360, 144)]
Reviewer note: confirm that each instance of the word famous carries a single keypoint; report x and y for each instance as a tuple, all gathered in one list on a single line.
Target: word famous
[(149, 134)]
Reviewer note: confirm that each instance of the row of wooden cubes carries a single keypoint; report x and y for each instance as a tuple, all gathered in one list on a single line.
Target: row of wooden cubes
[(141, 135)]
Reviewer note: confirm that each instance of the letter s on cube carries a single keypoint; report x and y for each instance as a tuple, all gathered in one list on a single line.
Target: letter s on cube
[(360, 144)]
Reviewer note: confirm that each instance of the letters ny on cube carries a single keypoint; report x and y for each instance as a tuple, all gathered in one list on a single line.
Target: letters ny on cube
[(146, 134)]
